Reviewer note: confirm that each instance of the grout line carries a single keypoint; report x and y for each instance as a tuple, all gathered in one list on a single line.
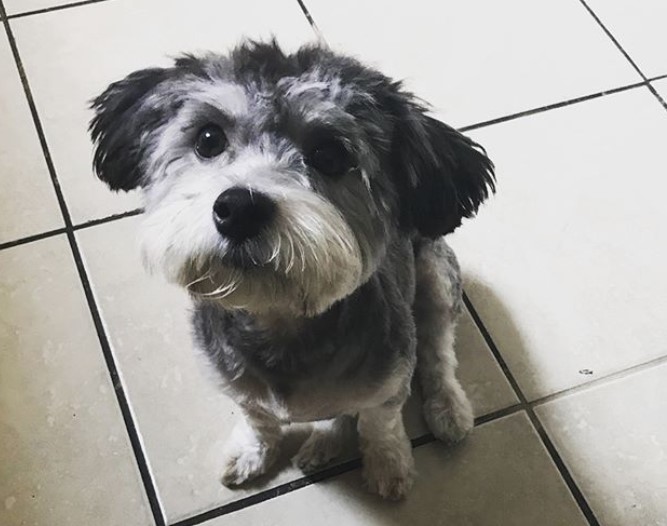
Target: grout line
[(311, 21), (602, 380), (328, 473), (126, 411), (613, 39), (623, 51), (546, 440), (80, 226), (657, 95), (30, 239), (659, 77), (108, 219), (557, 105), (54, 8)]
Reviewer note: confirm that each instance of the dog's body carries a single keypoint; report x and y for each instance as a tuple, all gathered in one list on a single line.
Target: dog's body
[(301, 200)]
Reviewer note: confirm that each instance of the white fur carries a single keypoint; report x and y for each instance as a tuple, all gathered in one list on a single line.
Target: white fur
[(308, 259), (252, 448)]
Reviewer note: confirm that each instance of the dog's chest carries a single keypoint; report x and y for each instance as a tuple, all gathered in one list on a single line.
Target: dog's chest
[(338, 363)]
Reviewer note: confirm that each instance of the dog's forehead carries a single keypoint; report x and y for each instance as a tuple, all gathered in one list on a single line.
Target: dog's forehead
[(307, 92)]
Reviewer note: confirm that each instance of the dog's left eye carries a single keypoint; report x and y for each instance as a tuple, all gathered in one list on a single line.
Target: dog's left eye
[(211, 141), (330, 158)]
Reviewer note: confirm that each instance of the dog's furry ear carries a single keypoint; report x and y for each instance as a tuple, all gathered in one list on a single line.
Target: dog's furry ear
[(123, 116), (445, 175)]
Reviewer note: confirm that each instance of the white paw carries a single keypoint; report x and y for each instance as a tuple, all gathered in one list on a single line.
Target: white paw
[(449, 415), (318, 451), (389, 473), (247, 463)]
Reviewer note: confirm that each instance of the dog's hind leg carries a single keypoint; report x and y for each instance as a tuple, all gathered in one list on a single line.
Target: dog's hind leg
[(438, 302)]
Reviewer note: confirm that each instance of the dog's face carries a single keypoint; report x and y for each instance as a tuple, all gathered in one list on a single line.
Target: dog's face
[(276, 182)]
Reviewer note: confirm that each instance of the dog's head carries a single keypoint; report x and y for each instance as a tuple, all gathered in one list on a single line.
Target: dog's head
[(276, 181)]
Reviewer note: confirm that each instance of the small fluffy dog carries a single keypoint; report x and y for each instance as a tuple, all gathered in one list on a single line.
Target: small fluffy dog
[(301, 200)]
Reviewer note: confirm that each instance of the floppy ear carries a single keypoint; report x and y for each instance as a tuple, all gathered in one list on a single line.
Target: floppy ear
[(124, 116), (445, 175)]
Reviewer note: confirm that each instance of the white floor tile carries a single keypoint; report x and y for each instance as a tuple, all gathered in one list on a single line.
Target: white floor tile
[(65, 456), (479, 59), (566, 264), (72, 55), (502, 475), (639, 26), (613, 438), (14, 7), (182, 416), (27, 200)]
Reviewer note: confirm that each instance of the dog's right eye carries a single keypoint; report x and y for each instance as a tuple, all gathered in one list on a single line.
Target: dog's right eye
[(331, 158), (211, 141)]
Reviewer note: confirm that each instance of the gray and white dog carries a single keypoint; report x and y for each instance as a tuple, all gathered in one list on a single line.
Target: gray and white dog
[(301, 200)]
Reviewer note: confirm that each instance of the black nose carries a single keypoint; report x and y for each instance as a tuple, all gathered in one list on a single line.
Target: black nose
[(241, 214)]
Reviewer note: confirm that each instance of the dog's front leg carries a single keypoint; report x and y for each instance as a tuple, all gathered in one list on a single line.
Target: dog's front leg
[(324, 444), (388, 466), (252, 447)]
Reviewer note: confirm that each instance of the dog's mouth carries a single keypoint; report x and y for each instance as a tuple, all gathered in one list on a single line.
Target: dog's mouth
[(243, 257)]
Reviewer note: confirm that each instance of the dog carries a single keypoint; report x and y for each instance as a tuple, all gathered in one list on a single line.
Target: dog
[(301, 199)]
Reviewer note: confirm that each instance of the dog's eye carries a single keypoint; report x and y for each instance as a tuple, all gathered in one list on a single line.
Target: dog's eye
[(211, 141), (330, 158)]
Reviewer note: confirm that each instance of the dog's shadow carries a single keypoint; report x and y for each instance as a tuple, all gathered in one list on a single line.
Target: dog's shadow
[(476, 482)]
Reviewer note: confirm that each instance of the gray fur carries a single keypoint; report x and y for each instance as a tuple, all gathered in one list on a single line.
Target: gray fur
[(331, 306)]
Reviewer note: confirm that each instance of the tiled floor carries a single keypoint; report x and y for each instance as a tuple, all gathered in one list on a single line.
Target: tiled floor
[(106, 416)]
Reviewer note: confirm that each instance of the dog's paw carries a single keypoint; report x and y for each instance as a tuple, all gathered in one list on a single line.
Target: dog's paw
[(245, 464), (319, 450), (390, 474), (449, 415)]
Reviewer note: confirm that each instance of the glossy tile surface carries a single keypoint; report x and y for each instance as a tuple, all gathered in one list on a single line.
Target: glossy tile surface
[(564, 264), (15, 7), (613, 437), (64, 443), (639, 29), (480, 59), (563, 269), (27, 199), (513, 479)]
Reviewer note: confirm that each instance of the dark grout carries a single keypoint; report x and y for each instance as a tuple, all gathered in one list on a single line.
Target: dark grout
[(79, 226), (30, 239), (525, 405), (308, 16), (313, 24), (54, 8), (108, 219), (325, 474), (623, 52), (556, 105), (602, 380), (613, 39), (133, 433)]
